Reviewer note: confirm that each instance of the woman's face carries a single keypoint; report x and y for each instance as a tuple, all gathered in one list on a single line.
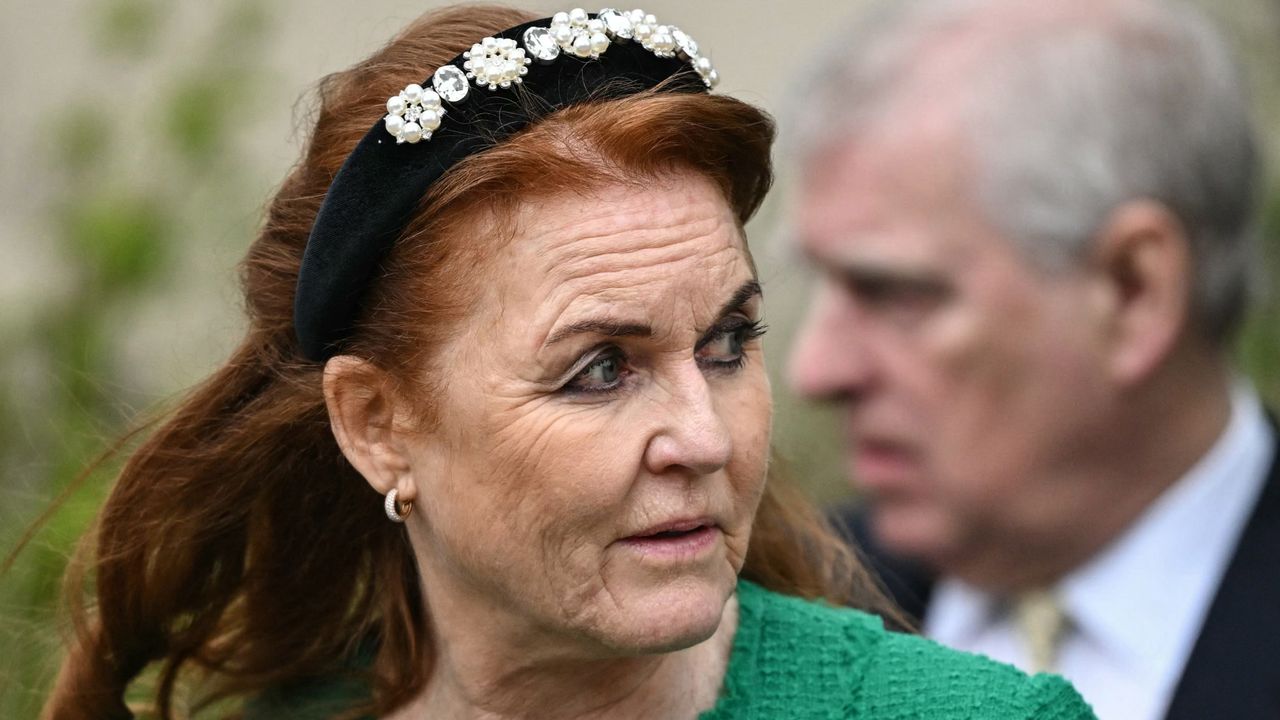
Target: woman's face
[(604, 424)]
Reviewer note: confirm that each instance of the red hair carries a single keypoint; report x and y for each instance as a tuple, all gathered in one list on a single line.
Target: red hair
[(238, 548)]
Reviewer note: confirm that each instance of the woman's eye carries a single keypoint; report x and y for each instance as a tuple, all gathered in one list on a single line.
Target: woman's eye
[(724, 348), (604, 373)]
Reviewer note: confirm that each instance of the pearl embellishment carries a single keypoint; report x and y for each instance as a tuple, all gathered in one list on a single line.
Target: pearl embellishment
[(499, 63)]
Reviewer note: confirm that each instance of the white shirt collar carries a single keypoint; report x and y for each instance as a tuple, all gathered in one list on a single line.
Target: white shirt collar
[(1145, 596), (1138, 605)]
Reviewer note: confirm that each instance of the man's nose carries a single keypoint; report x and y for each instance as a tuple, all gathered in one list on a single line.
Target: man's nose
[(831, 359)]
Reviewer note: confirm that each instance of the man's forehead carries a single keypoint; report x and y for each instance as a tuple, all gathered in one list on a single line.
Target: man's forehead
[(888, 195), (880, 253), (914, 137), (890, 236)]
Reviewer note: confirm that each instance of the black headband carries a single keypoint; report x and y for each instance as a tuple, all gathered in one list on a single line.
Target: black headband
[(374, 194)]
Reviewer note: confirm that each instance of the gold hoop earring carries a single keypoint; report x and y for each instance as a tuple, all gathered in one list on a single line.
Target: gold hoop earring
[(396, 511)]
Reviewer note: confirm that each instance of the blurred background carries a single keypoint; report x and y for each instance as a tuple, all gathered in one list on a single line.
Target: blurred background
[(143, 138)]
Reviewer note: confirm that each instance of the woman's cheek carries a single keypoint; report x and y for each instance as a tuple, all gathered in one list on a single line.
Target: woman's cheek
[(565, 479), (752, 417)]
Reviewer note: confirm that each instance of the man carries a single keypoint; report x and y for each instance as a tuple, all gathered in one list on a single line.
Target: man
[(1033, 226)]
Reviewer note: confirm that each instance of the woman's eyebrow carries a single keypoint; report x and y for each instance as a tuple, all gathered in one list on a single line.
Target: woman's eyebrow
[(749, 289), (603, 326), (616, 328)]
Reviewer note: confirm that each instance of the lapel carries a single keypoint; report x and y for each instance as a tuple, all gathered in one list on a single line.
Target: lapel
[(1234, 668)]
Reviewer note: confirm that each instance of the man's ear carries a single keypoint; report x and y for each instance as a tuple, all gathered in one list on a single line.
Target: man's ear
[(1143, 257), (363, 415)]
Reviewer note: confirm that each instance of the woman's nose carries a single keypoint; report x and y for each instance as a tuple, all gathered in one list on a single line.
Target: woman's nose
[(693, 437)]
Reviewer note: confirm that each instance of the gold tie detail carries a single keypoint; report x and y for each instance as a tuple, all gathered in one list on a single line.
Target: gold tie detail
[(1041, 623)]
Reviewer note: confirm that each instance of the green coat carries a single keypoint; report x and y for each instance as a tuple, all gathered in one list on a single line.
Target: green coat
[(798, 659)]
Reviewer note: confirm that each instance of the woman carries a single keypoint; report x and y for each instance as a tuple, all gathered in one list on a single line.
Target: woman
[(496, 441)]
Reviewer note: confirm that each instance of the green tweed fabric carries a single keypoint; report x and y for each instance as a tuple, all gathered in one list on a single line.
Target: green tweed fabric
[(796, 659)]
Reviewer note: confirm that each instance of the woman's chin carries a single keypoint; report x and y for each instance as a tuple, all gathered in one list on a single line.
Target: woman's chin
[(669, 616)]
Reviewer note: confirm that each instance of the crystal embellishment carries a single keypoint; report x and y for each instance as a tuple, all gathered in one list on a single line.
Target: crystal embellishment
[(616, 25), (413, 114), (451, 83), (541, 45), (685, 44), (496, 63)]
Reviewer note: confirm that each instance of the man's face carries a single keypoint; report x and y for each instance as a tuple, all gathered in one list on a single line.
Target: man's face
[(973, 382)]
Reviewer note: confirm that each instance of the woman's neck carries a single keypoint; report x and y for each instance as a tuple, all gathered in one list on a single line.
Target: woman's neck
[(470, 681)]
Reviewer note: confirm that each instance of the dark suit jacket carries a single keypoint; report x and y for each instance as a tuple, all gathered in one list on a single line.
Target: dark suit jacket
[(1233, 672)]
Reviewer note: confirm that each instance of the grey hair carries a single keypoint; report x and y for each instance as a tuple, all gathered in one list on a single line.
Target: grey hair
[(1071, 118)]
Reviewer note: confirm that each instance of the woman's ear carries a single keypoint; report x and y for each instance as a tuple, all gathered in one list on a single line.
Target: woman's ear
[(1144, 257), (364, 416)]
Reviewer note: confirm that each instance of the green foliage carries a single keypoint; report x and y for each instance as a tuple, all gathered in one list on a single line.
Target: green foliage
[(85, 137), (120, 240), (198, 111), (128, 28), (1259, 348), (62, 381)]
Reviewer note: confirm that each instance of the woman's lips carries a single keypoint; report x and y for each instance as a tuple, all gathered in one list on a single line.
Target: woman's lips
[(674, 541)]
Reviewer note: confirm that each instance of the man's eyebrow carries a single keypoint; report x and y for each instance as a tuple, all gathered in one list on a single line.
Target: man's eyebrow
[(859, 271), (616, 328), (877, 275)]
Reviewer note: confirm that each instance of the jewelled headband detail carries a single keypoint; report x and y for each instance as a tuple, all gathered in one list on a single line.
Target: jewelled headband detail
[(498, 63), (569, 59)]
